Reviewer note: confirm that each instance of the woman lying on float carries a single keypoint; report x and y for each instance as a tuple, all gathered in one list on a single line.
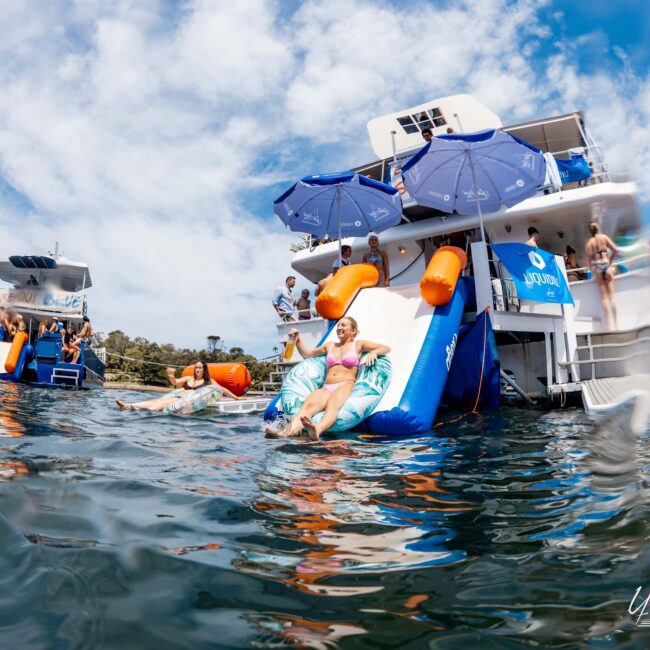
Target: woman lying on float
[(342, 360), (192, 393)]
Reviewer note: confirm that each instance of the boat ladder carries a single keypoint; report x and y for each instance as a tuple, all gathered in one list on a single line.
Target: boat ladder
[(66, 375)]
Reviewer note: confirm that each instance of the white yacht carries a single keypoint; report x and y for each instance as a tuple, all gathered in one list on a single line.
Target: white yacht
[(43, 288), (546, 351)]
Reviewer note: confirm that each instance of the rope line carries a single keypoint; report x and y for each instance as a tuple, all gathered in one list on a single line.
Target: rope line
[(171, 365), (480, 383), (151, 363)]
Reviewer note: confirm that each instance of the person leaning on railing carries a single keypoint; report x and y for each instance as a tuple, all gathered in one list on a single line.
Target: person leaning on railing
[(573, 272), (303, 305), (283, 299)]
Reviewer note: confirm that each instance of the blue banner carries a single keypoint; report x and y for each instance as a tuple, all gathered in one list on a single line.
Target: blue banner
[(534, 272), (574, 169)]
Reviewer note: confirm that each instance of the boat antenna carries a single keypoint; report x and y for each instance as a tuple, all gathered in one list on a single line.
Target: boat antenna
[(56, 251)]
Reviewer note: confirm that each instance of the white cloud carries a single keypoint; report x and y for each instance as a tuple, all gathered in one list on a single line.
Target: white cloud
[(142, 133)]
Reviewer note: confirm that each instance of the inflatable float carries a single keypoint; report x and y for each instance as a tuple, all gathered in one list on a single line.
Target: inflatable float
[(193, 401), (309, 375), (233, 376)]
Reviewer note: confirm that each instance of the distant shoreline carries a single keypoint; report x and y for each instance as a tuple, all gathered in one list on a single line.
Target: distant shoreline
[(122, 385)]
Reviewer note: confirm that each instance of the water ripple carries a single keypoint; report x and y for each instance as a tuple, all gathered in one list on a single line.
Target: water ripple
[(514, 529)]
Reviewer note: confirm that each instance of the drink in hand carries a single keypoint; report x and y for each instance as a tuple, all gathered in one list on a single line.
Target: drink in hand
[(290, 347)]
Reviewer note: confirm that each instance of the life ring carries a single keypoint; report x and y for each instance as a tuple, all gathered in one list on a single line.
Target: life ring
[(308, 375), (193, 401)]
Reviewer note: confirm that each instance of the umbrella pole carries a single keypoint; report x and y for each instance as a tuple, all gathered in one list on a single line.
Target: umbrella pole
[(338, 198), (478, 201)]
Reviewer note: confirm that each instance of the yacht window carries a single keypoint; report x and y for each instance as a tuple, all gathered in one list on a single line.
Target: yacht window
[(407, 124), (426, 119), (423, 120)]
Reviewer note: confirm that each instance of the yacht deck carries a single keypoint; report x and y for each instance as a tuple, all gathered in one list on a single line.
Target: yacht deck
[(601, 395)]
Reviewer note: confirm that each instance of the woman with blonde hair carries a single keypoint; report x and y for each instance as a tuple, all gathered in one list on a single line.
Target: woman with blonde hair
[(379, 259), (342, 360), (600, 251)]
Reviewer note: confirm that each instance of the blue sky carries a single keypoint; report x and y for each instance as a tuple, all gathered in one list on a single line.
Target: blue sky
[(624, 24), (151, 138)]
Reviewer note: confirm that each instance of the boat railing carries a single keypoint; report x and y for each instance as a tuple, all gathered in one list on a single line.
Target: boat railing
[(626, 261), (100, 353), (615, 351), (313, 315), (504, 292), (593, 154)]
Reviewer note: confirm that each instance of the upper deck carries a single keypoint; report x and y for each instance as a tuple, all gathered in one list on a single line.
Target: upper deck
[(398, 136), (40, 270), (44, 286), (559, 210)]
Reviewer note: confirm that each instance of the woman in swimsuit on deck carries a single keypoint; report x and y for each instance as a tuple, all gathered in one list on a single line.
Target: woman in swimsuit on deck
[(571, 265), (342, 361), (200, 379), (380, 259), (600, 259)]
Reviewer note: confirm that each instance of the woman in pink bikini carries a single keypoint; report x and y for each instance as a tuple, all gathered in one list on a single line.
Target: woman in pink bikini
[(342, 361)]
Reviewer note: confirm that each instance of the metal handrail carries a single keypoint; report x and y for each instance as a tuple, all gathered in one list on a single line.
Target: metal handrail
[(314, 316), (586, 149), (100, 353), (622, 344), (622, 260), (566, 364), (615, 261)]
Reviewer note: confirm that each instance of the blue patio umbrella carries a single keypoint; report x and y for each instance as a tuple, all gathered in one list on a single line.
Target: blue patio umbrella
[(473, 173), (344, 203)]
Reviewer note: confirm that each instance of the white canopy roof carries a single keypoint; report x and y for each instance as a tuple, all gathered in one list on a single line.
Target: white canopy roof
[(37, 270)]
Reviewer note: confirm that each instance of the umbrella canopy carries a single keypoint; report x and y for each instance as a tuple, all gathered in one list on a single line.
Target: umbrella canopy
[(473, 173), (345, 203)]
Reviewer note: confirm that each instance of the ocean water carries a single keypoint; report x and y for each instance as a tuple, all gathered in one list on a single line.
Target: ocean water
[(515, 529)]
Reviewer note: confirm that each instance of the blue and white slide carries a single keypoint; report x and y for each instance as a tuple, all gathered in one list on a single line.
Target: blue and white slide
[(422, 339)]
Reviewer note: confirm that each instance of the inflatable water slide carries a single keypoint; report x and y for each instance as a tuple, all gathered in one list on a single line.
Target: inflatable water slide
[(420, 323), (14, 356)]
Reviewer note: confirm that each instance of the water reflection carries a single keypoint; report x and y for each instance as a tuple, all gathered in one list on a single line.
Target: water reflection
[(302, 632), (340, 514), (10, 425), (516, 527), (11, 469)]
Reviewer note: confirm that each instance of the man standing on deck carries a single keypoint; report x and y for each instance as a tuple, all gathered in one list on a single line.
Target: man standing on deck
[(533, 237), (283, 299)]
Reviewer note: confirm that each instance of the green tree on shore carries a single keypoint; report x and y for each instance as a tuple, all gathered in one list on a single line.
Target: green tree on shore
[(143, 355)]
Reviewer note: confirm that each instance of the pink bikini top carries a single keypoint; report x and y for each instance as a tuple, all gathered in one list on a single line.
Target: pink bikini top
[(350, 360)]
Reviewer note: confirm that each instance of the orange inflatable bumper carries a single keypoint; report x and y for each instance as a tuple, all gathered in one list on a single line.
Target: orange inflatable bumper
[(233, 376), (20, 338), (343, 288), (439, 280)]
